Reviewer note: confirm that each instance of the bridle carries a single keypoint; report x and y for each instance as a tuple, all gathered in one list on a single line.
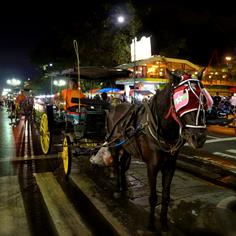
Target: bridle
[(199, 94), (189, 95)]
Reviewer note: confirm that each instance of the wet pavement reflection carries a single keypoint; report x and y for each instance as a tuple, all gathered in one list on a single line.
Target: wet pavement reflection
[(20, 156)]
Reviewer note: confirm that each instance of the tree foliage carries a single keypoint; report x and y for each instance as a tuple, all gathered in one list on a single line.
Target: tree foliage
[(101, 41)]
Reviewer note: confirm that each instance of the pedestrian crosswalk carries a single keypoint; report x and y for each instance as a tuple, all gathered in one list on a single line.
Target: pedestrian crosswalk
[(226, 153), (14, 217), (215, 140)]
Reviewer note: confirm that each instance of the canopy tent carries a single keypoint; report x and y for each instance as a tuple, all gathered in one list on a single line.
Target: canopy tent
[(94, 90)]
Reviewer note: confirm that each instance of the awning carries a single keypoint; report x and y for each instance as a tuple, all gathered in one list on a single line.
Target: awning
[(108, 90), (97, 73)]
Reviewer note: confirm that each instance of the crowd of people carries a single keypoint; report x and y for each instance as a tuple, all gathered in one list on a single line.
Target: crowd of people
[(223, 106)]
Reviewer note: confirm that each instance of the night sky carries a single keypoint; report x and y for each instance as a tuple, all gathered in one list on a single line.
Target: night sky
[(207, 28)]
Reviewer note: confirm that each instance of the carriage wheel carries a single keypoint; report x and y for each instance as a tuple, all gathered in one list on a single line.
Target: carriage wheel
[(45, 136), (66, 155)]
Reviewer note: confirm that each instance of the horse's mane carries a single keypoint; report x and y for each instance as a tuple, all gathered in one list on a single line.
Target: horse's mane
[(160, 106)]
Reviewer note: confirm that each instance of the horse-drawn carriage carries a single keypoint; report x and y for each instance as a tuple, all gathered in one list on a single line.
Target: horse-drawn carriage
[(24, 108), (84, 127), (153, 131)]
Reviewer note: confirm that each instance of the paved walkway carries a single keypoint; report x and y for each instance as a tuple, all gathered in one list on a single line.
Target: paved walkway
[(197, 207)]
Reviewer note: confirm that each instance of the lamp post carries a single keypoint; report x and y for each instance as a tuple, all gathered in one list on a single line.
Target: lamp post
[(59, 83), (13, 82)]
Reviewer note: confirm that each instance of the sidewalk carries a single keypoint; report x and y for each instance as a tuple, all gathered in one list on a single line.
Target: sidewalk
[(197, 207)]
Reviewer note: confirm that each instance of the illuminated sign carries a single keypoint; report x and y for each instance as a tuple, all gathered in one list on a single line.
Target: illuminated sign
[(140, 49)]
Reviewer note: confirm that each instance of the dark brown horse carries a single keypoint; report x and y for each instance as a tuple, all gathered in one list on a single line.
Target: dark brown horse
[(155, 132)]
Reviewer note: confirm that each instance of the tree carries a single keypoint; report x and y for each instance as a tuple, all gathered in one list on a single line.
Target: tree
[(100, 40)]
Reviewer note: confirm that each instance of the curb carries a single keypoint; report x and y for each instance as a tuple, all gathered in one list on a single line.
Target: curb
[(87, 187)]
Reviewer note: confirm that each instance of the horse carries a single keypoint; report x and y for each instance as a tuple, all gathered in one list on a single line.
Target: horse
[(156, 131)]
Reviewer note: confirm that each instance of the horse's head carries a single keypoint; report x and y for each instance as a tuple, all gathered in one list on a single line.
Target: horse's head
[(190, 100)]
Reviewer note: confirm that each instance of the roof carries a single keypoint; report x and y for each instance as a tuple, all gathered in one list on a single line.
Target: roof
[(97, 73), (158, 58)]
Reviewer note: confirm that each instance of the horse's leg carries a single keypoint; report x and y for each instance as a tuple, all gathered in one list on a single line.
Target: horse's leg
[(121, 163), (167, 176), (125, 163), (152, 177)]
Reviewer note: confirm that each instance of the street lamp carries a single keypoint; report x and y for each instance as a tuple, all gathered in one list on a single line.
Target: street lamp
[(13, 82), (59, 83)]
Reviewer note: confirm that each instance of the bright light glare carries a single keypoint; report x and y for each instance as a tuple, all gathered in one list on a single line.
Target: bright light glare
[(228, 58), (120, 19), (60, 82), (13, 82)]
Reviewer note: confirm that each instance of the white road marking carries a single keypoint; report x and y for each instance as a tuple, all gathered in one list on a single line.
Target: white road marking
[(23, 158), (213, 137), (224, 155), (231, 151), (221, 140), (210, 139), (63, 214)]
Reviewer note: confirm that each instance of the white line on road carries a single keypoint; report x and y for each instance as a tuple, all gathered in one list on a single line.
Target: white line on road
[(231, 151), (213, 137), (224, 155), (27, 158), (221, 140)]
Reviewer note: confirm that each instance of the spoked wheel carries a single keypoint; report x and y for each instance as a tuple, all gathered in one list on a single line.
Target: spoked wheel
[(66, 155), (45, 136)]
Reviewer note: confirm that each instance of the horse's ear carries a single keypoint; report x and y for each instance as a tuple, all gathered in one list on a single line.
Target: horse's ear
[(172, 77), (200, 73)]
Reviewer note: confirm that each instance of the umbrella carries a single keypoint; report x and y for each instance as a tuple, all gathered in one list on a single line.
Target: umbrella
[(95, 90), (107, 90)]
